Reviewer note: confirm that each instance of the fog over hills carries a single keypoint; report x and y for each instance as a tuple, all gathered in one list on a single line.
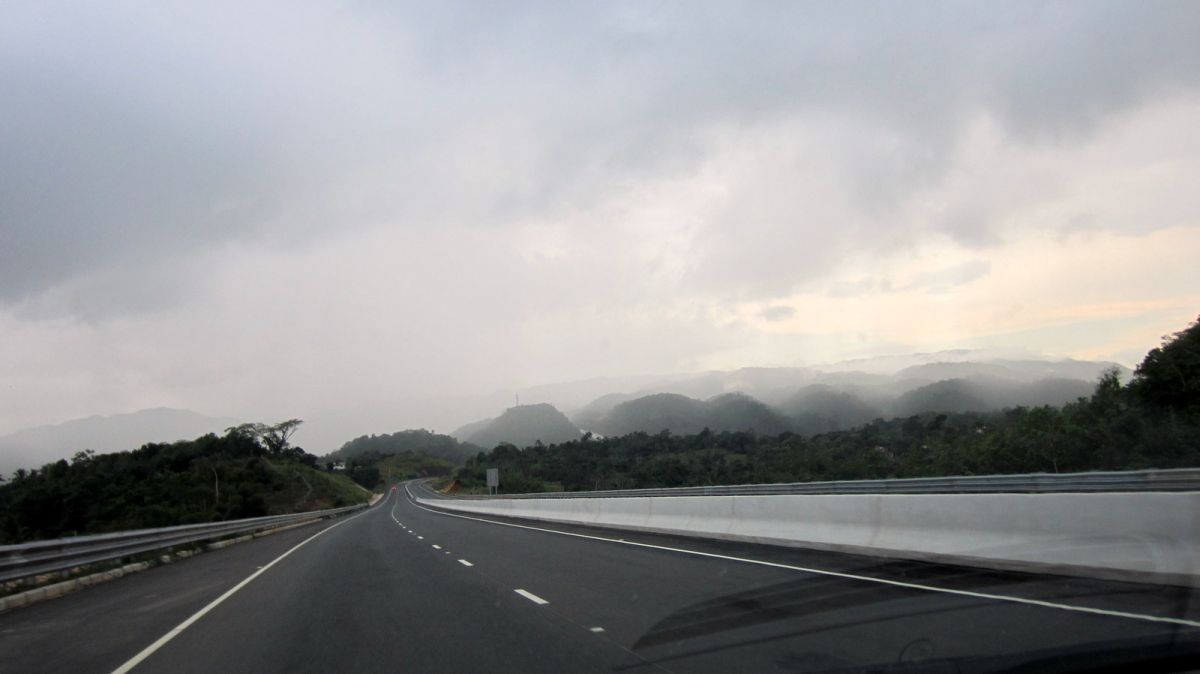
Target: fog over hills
[(820, 408), (879, 381), (809, 399), (817, 399), (33, 447), (982, 394), (1014, 370), (592, 414), (468, 430), (875, 380)]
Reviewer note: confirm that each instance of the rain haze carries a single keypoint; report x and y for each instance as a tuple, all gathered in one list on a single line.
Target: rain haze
[(362, 214)]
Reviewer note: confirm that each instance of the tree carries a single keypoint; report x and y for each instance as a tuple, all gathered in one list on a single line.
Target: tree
[(1109, 396), (367, 476), (1169, 376), (275, 437), (83, 457)]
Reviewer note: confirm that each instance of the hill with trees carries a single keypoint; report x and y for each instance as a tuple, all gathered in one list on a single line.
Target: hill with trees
[(524, 425), (249, 471), (413, 441), (1151, 422), (681, 415)]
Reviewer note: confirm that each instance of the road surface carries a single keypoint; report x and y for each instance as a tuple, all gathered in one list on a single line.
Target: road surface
[(401, 588)]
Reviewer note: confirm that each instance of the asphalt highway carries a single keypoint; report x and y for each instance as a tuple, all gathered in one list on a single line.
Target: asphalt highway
[(404, 588)]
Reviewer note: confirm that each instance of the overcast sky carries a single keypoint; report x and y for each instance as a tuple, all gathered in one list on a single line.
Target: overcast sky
[(276, 209)]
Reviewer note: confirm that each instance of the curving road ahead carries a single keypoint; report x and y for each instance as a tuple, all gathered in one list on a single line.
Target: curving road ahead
[(404, 588)]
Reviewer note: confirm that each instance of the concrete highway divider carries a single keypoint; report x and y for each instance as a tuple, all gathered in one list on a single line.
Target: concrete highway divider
[(1140, 536)]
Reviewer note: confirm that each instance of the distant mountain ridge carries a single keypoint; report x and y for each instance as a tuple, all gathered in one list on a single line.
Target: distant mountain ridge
[(34, 447), (821, 408), (585, 400), (884, 378), (848, 400)]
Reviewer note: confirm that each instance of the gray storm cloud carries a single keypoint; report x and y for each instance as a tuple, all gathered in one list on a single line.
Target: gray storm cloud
[(135, 132)]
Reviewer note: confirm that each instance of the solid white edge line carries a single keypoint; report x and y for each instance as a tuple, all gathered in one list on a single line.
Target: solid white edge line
[(531, 597), (162, 641), (835, 574)]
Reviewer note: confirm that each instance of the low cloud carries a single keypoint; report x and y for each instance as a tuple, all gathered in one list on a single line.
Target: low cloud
[(778, 312)]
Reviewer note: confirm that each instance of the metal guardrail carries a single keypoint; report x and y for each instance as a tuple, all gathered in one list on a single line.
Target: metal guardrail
[(25, 560), (1174, 479)]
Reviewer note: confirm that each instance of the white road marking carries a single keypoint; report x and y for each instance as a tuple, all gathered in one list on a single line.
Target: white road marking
[(597, 629), (531, 597), (420, 538), (465, 562), (162, 641), (834, 574), (436, 546)]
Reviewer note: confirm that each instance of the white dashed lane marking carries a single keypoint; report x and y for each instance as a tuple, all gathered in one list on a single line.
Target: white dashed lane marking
[(531, 597)]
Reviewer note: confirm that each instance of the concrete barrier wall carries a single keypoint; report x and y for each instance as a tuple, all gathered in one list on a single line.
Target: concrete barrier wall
[(1144, 536)]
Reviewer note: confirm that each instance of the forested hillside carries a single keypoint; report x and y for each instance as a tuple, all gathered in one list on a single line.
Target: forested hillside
[(1152, 422), (240, 474), (416, 441), (375, 470), (525, 425)]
